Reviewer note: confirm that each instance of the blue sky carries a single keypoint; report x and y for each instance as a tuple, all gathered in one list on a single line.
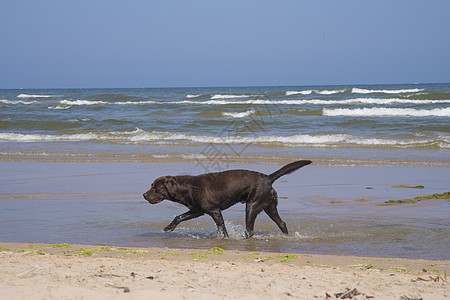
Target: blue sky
[(108, 43)]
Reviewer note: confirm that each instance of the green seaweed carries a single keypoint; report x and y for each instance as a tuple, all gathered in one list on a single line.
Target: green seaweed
[(83, 252), (5, 250), (63, 245), (29, 248), (401, 201), (101, 248), (445, 195), (198, 256), (216, 251), (135, 252), (309, 264), (362, 200), (398, 269), (362, 266), (408, 186), (258, 258), (286, 257), (165, 255), (337, 202)]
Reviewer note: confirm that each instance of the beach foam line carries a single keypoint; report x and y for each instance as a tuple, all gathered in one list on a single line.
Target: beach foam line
[(387, 112), (167, 138)]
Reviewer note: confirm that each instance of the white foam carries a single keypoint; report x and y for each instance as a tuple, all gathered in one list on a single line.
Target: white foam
[(192, 96), (141, 136), (222, 96), (290, 93), (314, 101), (365, 91), (308, 92), (60, 107), (81, 102), (18, 102), (135, 102), (18, 137), (385, 112), (238, 115), (35, 96)]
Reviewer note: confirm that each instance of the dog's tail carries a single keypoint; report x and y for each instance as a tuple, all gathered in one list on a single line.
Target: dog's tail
[(287, 169)]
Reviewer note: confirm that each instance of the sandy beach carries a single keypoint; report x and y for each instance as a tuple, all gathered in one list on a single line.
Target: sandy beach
[(63, 271)]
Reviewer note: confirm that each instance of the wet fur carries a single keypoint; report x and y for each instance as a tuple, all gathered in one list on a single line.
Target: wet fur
[(213, 192)]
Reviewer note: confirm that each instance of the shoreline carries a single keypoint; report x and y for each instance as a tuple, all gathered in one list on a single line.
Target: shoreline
[(35, 271), (204, 159)]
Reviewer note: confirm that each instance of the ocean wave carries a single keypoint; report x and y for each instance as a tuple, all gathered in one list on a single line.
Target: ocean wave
[(290, 93), (227, 96), (136, 102), (366, 91), (193, 96), (239, 114), (82, 102), (59, 107), (387, 112), (314, 102), (140, 136), (18, 102), (36, 96), (319, 92)]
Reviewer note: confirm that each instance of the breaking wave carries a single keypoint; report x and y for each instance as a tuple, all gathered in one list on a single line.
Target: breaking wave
[(145, 137), (383, 111), (239, 114), (35, 96), (366, 91), (226, 96), (315, 102)]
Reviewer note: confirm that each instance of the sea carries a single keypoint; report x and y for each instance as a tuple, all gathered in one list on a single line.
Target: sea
[(75, 162), (393, 123)]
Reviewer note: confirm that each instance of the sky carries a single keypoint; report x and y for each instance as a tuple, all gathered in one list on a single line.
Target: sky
[(126, 44)]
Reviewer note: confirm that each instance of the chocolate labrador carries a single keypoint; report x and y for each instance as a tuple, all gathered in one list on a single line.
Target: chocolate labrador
[(213, 192)]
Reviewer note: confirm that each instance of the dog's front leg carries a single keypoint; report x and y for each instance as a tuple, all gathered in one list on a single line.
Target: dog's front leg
[(183, 217), (217, 217)]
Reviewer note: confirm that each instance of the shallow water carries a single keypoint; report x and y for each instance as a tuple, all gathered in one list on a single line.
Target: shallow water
[(101, 203)]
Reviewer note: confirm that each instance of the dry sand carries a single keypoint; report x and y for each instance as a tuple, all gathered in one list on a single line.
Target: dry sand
[(38, 271)]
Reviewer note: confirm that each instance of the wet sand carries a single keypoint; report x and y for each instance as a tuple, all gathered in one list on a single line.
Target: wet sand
[(62, 271)]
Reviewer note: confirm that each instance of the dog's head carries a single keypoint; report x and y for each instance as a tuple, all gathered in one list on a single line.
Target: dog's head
[(162, 188)]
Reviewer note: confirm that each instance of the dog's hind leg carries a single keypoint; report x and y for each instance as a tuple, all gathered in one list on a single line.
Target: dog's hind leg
[(251, 212), (272, 212), (183, 217)]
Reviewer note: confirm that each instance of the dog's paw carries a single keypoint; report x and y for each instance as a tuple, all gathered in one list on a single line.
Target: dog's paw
[(168, 228)]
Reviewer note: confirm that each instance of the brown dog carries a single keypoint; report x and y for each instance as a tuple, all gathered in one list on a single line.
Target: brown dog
[(213, 192)]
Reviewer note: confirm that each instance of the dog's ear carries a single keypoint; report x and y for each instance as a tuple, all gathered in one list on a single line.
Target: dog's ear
[(171, 186)]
